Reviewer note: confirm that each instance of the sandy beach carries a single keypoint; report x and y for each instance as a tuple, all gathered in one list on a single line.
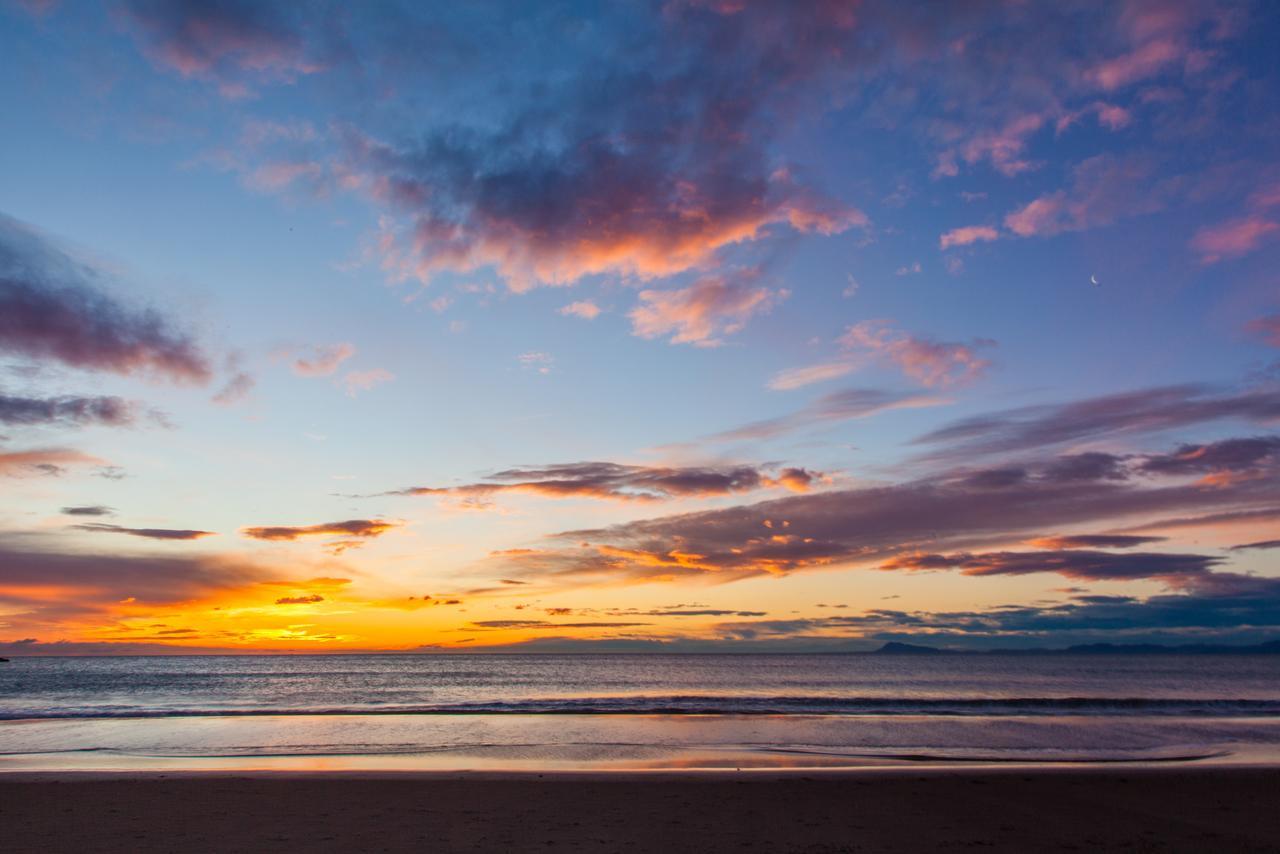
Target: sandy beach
[(899, 810)]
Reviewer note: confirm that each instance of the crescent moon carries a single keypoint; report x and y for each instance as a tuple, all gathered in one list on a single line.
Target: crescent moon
[(1093, 279)]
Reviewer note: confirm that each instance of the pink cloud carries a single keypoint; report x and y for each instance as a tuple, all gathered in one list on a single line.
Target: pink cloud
[(585, 309), (357, 381), (1233, 238), (1113, 117), (794, 378), (1103, 190), (703, 313), (220, 41), (1143, 62), (1241, 235), (1002, 147), (325, 360), (933, 363), (277, 176), (1267, 328), (966, 235), (1156, 38)]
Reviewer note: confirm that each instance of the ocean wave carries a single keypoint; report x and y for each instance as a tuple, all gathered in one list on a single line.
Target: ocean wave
[(713, 705)]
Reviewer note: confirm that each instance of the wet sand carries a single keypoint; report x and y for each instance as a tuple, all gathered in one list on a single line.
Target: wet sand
[(903, 810)]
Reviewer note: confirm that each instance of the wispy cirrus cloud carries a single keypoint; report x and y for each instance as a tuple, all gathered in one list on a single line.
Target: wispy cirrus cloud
[(793, 378), (844, 405), (1098, 418)]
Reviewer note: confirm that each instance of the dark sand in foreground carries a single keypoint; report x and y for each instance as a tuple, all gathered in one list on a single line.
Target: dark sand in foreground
[(1206, 810)]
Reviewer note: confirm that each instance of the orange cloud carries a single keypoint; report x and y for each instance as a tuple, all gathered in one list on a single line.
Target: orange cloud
[(47, 461), (703, 313)]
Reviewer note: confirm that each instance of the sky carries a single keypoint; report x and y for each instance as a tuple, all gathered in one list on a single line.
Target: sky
[(645, 326)]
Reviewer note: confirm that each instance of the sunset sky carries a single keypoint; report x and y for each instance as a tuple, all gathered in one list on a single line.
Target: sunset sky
[(684, 325)]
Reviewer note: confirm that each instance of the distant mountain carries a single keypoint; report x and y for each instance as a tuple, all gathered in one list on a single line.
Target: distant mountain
[(1268, 648), (896, 648)]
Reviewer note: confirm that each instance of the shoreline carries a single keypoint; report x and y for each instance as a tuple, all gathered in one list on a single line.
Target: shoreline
[(882, 809), (759, 774)]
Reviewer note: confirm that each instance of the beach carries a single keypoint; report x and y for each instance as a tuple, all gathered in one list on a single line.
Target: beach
[(870, 810)]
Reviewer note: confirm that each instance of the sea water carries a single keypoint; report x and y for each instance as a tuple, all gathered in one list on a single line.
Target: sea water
[(453, 712)]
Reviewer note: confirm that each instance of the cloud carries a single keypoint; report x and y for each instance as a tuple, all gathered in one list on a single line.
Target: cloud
[(704, 313), (46, 588), (311, 599), (967, 235), (955, 511), (42, 461), (536, 360), (1103, 189), (224, 41), (1234, 238), (844, 405), (52, 306), (1261, 544), (325, 360), (1229, 455), (1093, 541), (620, 482), (88, 510), (933, 363), (1267, 328), (1078, 564), (1220, 607), (357, 381), (643, 155), (585, 309), (1154, 38), (349, 534), (794, 378), (237, 388), (67, 411), (147, 533), (544, 625), (1094, 419)]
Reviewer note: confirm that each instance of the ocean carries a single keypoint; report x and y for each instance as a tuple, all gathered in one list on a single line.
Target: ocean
[(633, 712)]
